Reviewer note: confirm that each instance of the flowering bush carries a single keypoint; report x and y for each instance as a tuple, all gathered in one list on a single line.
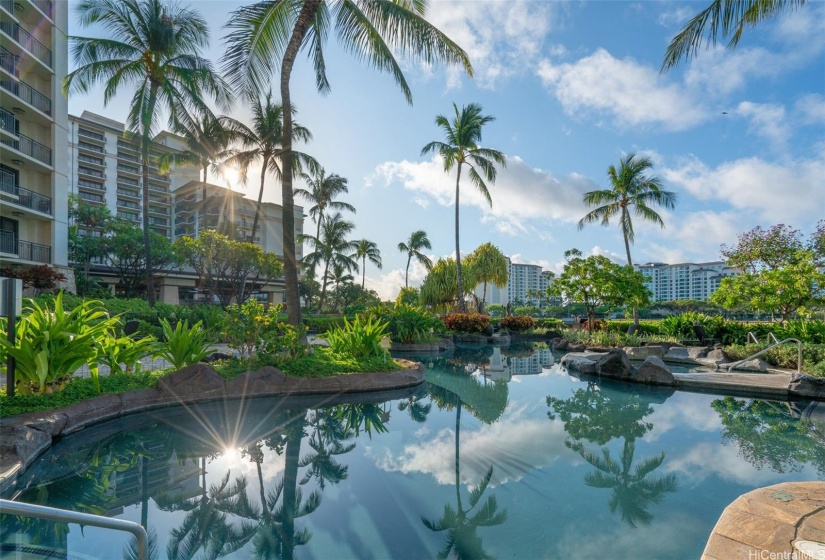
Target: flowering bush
[(252, 328), (518, 323), (467, 322)]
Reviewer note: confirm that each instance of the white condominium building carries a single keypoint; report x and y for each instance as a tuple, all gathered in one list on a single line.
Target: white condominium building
[(33, 134), (698, 281)]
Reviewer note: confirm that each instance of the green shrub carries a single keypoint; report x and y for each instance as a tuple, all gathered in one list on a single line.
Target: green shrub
[(123, 355), (549, 323), (183, 345), (809, 332), (785, 356), (467, 322), (518, 323), (407, 296), (360, 338), (645, 327), (323, 324), (51, 344), (410, 324)]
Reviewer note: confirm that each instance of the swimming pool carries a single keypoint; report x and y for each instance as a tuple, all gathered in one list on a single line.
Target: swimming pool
[(501, 453)]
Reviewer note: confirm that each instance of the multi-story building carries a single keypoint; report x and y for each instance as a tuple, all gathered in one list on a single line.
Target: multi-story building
[(33, 131), (698, 281), (526, 285), (200, 206), (105, 168)]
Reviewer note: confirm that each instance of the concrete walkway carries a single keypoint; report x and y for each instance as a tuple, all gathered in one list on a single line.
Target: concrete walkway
[(763, 384)]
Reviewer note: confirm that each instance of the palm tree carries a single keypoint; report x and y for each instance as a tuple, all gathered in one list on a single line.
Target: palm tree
[(322, 190), (332, 248), (418, 240), (156, 54), (207, 144), (270, 31), (264, 142), (461, 148), (728, 16), (366, 249), (632, 491), (629, 188)]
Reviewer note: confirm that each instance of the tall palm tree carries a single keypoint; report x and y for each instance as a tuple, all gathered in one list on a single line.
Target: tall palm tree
[(273, 30), (207, 144), (155, 52), (263, 142), (332, 247), (418, 240), (629, 188), (322, 190), (728, 16), (462, 148), (366, 249)]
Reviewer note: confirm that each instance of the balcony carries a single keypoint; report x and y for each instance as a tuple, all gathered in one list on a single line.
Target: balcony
[(91, 172), (28, 94), (128, 169), (31, 148), (27, 41), (9, 62), (8, 122), (99, 162), (122, 145), (126, 181), (127, 157), (7, 5), (81, 145), (24, 250), (24, 197), (91, 185), (127, 204), (91, 197), (131, 194), (44, 6), (159, 178), (98, 136)]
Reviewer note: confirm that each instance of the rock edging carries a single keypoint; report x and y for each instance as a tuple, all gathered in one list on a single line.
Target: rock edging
[(24, 437)]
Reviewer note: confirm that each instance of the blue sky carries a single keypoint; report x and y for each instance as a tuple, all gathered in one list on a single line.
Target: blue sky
[(574, 86)]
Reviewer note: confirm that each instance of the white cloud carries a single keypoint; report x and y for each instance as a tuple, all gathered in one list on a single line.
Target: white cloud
[(776, 192), (811, 108), (520, 193), (766, 119), (630, 93), (501, 38), (676, 17), (514, 447), (389, 284), (720, 71)]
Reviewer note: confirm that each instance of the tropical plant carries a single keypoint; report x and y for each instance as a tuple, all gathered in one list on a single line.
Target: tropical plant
[(266, 33), (366, 249), (439, 287), (127, 259), (360, 338), (51, 344), (123, 355), (596, 281), (321, 192), (728, 16), (331, 248), (408, 296), (183, 345), (630, 188), (418, 240), (41, 278), (410, 324), (155, 52), (467, 322), (490, 266), (461, 148), (88, 239), (263, 142), (517, 323), (207, 145)]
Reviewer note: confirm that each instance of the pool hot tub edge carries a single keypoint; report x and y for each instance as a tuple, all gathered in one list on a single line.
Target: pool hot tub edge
[(25, 437)]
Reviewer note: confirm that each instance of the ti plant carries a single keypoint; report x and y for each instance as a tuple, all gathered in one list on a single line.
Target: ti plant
[(184, 345)]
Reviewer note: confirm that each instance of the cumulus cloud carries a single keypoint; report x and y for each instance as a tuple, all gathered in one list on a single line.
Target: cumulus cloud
[(675, 17), (389, 284), (501, 38), (811, 108), (757, 185), (630, 93), (520, 193), (766, 119), (514, 447)]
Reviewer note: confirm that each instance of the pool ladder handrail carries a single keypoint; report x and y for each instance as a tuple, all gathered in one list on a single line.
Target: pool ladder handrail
[(752, 337), (771, 347), (9, 507)]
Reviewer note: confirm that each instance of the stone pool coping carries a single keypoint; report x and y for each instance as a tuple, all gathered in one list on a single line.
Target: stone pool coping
[(770, 522), (25, 437)]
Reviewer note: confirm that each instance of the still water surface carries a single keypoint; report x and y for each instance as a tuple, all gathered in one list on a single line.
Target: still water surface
[(501, 454)]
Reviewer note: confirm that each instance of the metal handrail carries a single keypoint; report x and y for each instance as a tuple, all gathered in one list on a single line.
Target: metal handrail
[(771, 347), (752, 337), (55, 514)]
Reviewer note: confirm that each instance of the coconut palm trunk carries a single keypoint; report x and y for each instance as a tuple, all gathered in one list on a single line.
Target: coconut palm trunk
[(460, 280), (147, 240), (625, 219), (264, 167), (293, 302)]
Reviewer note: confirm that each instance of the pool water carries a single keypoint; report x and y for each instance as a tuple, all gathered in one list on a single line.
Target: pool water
[(501, 454)]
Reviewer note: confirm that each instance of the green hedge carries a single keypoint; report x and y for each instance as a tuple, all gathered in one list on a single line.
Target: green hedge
[(785, 356)]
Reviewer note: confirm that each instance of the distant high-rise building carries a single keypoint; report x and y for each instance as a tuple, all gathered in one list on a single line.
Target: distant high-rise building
[(697, 281), (33, 134)]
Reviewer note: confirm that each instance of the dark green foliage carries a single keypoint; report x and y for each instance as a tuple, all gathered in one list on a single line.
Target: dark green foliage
[(409, 324), (785, 356), (518, 323), (466, 322)]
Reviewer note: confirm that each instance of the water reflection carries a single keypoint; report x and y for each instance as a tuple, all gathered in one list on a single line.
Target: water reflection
[(457, 390), (598, 414)]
